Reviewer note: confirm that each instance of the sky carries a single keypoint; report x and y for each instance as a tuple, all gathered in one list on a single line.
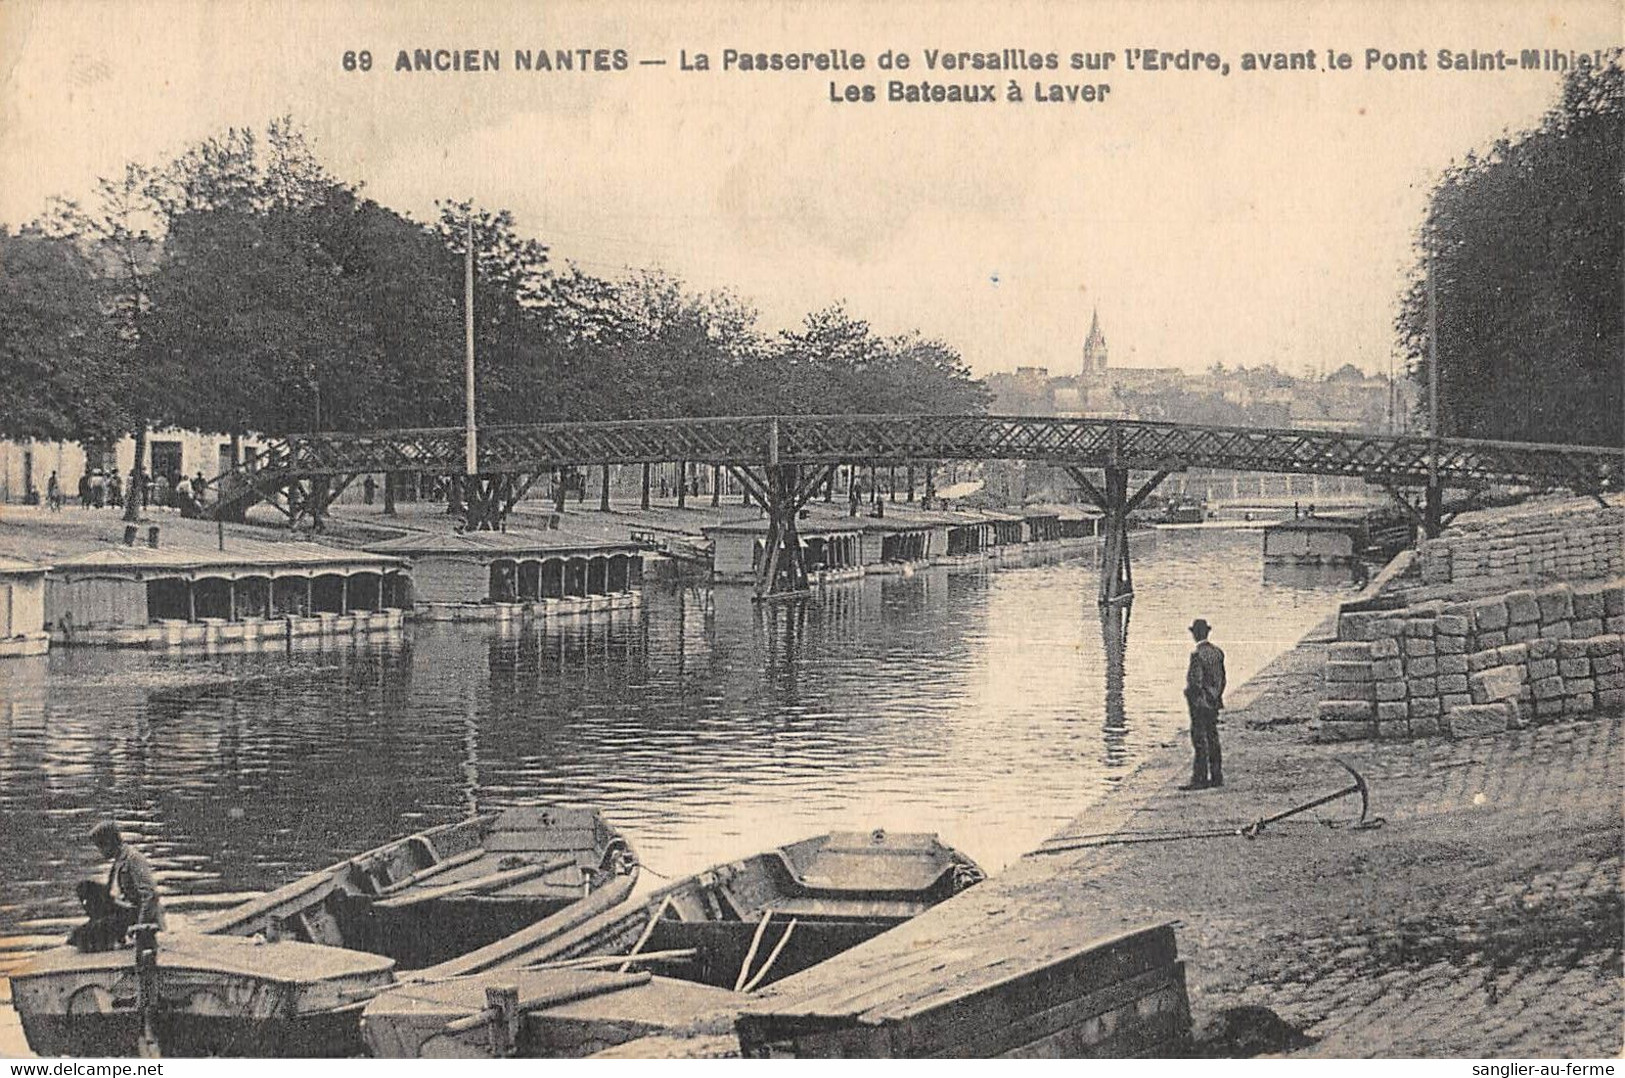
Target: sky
[(1239, 218)]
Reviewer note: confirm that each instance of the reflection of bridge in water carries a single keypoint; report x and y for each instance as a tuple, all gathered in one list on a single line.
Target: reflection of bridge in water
[(783, 460)]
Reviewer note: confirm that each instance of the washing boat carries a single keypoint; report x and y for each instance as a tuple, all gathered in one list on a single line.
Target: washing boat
[(685, 957), (287, 973)]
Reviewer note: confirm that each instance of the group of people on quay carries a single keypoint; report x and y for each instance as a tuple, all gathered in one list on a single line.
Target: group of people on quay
[(105, 490)]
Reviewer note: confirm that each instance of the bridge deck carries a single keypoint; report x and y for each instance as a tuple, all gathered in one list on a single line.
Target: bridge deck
[(1088, 443)]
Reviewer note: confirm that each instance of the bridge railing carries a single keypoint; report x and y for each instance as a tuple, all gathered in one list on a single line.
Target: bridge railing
[(1139, 444)]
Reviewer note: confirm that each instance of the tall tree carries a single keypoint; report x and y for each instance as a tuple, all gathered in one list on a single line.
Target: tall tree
[(1525, 249), (55, 346)]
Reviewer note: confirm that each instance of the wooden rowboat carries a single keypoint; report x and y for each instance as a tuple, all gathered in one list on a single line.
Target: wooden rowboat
[(286, 973), (569, 989), (214, 995), (448, 890)]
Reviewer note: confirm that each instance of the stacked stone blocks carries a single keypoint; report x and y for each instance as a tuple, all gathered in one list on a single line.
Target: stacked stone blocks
[(1583, 544), (1473, 668)]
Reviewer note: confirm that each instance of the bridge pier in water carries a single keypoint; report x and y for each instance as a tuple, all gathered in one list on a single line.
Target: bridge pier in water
[(1113, 500), (783, 490)]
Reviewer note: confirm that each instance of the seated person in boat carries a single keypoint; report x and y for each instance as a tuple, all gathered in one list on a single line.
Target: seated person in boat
[(129, 897)]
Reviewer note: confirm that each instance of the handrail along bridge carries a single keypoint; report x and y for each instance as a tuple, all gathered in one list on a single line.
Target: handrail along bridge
[(783, 460)]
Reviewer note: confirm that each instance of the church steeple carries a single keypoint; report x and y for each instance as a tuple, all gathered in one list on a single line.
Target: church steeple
[(1094, 347)]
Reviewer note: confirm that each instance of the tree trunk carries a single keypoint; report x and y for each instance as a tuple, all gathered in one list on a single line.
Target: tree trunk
[(135, 488)]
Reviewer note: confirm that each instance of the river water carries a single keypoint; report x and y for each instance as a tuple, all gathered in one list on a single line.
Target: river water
[(980, 705)]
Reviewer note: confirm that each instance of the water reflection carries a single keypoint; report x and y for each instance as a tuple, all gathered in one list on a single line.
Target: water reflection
[(707, 726), (1114, 621)]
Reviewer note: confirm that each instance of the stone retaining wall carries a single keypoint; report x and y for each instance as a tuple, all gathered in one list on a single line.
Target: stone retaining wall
[(1577, 544), (1479, 667)]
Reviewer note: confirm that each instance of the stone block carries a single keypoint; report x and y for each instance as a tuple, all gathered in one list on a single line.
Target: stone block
[(1614, 624), (1573, 649), (1457, 610), (1519, 632), (1452, 664), (1513, 654), (1580, 686), (1483, 660), (1492, 640), (1343, 731), (1588, 627), (1497, 683), (1422, 686), (1522, 607), (1355, 625), (1556, 603), (1385, 648), (1422, 707), (1347, 711), (1546, 710), (1450, 645), (1519, 714), (1393, 731), (1421, 666), (1609, 644), (1610, 699), (1419, 628), (1384, 691), (1386, 627), (1477, 720), (1392, 711), (1587, 599), (1556, 630), (1550, 688), (1387, 670), (1451, 625), (1350, 652), (1608, 664), (1543, 649), (1573, 668), (1490, 614), (1613, 599), (1609, 681), (1420, 645), (1348, 672), (1452, 683), (1540, 669), (1424, 726), (1584, 704), (1448, 702)]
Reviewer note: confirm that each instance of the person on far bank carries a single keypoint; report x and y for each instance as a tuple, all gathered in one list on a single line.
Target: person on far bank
[(53, 494), (1204, 694)]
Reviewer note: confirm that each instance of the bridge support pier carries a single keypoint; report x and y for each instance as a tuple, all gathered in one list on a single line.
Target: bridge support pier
[(1113, 499), (782, 489), (488, 499)]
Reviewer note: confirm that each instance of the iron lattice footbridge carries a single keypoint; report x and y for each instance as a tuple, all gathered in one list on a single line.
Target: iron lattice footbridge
[(782, 460)]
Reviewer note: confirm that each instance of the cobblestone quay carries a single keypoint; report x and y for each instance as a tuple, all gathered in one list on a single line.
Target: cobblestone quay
[(1482, 920)]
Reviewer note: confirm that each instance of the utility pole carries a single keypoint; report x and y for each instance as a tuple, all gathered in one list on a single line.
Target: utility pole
[(1433, 507), (471, 456)]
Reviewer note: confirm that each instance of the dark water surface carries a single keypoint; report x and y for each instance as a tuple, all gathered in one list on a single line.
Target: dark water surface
[(972, 704)]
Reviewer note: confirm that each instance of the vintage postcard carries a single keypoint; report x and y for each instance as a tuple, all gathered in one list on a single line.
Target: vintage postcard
[(709, 530)]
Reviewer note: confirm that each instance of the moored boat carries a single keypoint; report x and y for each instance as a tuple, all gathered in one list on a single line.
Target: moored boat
[(286, 973), (451, 889), (572, 986), (210, 995)]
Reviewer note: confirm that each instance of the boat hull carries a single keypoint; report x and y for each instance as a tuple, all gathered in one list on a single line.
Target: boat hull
[(214, 996)]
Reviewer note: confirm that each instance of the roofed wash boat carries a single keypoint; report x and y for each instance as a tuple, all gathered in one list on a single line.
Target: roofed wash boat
[(682, 957), (287, 973)]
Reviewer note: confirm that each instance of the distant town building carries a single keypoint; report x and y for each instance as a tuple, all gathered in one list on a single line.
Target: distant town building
[(1348, 399)]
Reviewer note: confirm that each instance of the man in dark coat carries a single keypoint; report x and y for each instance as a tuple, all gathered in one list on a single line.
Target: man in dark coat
[(1204, 694), (130, 896)]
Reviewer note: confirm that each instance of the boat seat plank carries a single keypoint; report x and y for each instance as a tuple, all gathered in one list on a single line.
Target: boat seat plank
[(415, 895)]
